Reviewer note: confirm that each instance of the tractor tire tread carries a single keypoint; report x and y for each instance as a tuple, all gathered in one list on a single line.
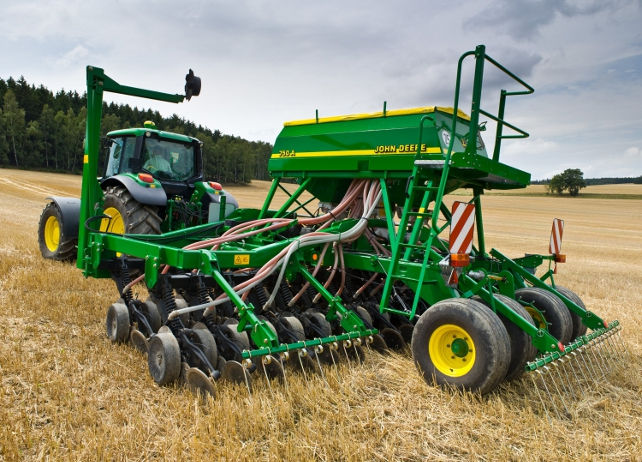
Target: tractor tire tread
[(138, 218), (67, 247)]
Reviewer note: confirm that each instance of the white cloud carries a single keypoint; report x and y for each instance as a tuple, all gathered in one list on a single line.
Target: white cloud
[(75, 56), (264, 62)]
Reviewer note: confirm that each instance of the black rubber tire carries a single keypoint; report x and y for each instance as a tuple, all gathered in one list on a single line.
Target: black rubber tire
[(117, 323), (241, 339), (164, 358), (557, 316), (406, 329), (152, 313), (319, 321), (295, 326), (579, 328), (522, 349), (488, 337), (137, 218), (203, 338), (365, 316), (393, 338), (65, 247)]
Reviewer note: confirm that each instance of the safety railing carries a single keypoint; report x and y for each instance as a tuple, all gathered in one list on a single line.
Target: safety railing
[(480, 58)]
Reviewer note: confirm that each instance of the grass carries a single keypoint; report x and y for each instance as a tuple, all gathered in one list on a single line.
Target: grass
[(66, 393)]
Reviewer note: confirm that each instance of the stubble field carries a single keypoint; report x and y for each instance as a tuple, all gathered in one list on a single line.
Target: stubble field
[(66, 393)]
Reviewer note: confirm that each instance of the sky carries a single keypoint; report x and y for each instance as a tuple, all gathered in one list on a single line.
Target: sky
[(266, 62)]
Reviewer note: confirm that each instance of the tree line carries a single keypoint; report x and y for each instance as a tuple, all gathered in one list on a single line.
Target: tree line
[(598, 181), (42, 130), (572, 180)]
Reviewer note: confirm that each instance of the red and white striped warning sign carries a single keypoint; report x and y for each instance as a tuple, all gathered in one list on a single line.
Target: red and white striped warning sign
[(555, 247), (461, 228)]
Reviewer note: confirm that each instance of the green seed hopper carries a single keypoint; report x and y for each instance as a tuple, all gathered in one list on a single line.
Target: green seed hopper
[(364, 254)]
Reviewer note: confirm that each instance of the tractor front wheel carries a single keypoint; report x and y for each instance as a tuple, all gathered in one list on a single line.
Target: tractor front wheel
[(463, 344), (52, 241)]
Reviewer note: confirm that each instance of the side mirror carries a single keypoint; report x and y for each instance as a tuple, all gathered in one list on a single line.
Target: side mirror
[(192, 85)]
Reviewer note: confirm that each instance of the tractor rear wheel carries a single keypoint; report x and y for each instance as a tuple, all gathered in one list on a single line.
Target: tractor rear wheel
[(461, 343), (51, 239), (579, 328), (127, 215), (550, 312)]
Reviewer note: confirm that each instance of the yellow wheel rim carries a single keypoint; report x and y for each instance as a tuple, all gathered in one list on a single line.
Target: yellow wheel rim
[(115, 224), (52, 233), (451, 350), (538, 317)]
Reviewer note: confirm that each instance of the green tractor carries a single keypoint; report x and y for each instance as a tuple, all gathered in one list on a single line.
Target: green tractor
[(153, 183)]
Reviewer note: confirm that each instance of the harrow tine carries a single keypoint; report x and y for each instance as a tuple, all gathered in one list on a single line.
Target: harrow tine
[(549, 393), (609, 342), (358, 351), (246, 377), (285, 379), (334, 346), (599, 355), (614, 343), (318, 350), (343, 345), (575, 355), (559, 392), (588, 364), (557, 366), (565, 364), (541, 400), (621, 342), (597, 360), (299, 355), (266, 375), (607, 364)]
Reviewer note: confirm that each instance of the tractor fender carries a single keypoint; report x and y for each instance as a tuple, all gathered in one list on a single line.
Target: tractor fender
[(69, 212), (142, 194), (231, 204), (229, 199)]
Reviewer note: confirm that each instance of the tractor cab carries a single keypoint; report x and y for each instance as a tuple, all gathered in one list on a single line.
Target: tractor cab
[(164, 171), (172, 159)]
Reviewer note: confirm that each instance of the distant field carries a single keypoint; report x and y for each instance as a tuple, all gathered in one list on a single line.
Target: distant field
[(610, 191), (66, 393)]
